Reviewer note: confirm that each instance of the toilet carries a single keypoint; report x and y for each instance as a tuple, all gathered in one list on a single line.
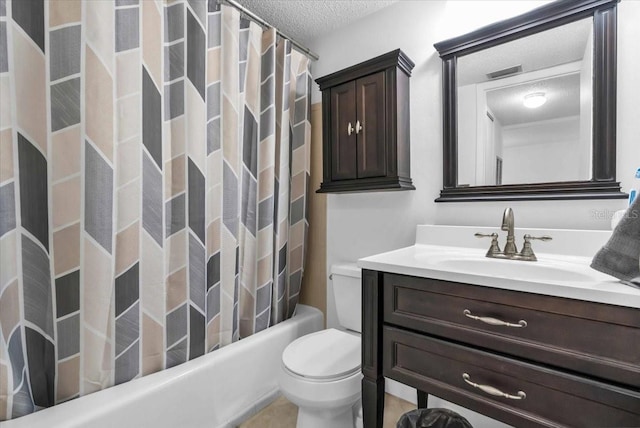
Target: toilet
[(321, 372)]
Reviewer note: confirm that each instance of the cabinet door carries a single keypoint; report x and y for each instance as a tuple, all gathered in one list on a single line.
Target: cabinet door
[(371, 116), (343, 135)]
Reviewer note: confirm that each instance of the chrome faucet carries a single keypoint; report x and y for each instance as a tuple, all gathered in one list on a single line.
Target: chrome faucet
[(508, 224), (510, 250)]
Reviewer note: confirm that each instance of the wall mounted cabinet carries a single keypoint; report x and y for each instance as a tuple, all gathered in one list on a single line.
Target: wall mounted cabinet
[(365, 126)]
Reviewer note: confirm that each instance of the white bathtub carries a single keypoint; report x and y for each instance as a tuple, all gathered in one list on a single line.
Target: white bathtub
[(219, 389)]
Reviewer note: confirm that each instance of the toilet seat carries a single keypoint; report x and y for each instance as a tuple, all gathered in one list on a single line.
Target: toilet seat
[(326, 355)]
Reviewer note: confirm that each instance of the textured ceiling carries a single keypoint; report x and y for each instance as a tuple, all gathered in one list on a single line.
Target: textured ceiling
[(563, 99), (560, 45), (305, 19)]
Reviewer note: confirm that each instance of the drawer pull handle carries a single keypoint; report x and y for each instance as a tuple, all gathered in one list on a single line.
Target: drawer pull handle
[(494, 391), (494, 321)]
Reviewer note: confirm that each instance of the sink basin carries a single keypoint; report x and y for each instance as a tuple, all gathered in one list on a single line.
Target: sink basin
[(452, 254), (543, 270)]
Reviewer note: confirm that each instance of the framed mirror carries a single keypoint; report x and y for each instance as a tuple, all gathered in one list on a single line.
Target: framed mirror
[(529, 106)]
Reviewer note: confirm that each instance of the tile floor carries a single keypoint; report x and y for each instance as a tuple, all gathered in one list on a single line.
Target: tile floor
[(282, 414)]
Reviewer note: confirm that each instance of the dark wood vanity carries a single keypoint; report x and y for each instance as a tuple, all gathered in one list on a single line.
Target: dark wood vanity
[(526, 359)]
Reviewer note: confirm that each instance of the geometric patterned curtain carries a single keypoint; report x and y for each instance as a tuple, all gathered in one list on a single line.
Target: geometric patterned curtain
[(154, 171)]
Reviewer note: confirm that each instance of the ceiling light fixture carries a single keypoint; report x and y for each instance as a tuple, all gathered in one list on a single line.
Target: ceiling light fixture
[(534, 100)]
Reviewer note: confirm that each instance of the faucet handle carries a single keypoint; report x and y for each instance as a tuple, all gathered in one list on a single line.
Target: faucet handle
[(529, 238), (486, 235), (527, 251), (494, 248)]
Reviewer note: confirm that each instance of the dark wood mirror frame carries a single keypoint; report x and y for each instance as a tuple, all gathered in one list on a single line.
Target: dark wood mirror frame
[(603, 184)]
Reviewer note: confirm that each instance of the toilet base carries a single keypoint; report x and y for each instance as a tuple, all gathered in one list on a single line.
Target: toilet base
[(333, 404), (321, 418)]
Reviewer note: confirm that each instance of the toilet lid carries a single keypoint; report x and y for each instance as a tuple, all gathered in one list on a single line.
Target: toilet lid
[(327, 354)]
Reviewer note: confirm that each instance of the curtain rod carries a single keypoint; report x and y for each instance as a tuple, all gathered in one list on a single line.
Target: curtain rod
[(264, 23)]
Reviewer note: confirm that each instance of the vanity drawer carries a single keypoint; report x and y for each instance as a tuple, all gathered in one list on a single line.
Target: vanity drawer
[(551, 398), (598, 339)]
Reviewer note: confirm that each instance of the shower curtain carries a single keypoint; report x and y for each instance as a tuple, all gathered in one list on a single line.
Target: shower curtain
[(154, 170)]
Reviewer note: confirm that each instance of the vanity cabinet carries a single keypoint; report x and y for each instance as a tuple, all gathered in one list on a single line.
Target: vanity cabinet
[(526, 359), (365, 115)]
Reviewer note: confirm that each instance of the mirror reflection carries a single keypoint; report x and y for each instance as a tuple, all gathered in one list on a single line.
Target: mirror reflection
[(525, 109)]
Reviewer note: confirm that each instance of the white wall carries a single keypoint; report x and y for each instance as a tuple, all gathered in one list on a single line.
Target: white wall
[(467, 134), (362, 224), (586, 108), (543, 151)]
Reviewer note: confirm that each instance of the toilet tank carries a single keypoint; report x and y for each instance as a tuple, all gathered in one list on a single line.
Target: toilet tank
[(347, 291)]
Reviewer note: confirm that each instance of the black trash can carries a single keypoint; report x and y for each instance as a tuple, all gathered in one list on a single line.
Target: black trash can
[(432, 418)]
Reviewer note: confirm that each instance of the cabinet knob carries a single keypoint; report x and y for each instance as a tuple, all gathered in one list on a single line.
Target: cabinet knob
[(358, 127), (349, 129)]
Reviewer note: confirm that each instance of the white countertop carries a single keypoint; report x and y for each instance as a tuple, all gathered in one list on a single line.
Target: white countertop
[(418, 260)]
